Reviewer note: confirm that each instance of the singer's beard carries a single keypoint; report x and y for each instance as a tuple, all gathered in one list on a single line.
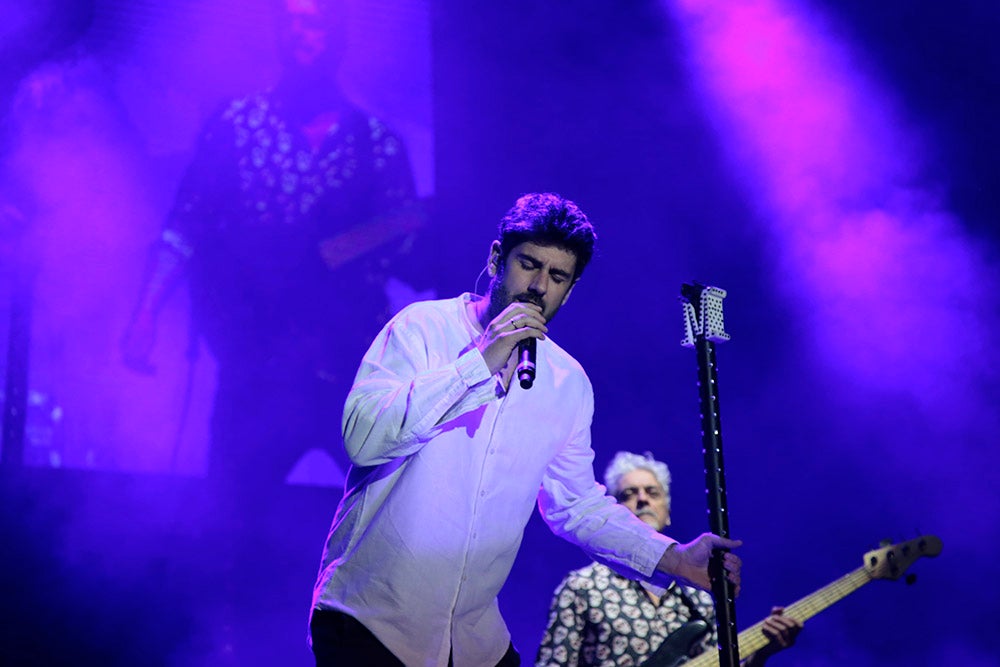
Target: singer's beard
[(500, 298)]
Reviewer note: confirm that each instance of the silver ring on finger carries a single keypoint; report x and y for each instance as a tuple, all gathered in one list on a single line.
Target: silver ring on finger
[(512, 323)]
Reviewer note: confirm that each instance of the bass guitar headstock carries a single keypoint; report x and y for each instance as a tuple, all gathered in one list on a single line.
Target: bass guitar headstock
[(892, 561)]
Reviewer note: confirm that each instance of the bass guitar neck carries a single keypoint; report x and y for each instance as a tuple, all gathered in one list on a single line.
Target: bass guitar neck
[(885, 563)]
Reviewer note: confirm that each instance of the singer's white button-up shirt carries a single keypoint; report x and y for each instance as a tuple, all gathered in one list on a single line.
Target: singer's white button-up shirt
[(447, 468)]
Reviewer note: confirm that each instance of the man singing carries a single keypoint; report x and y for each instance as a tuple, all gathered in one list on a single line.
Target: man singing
[(449, 456)]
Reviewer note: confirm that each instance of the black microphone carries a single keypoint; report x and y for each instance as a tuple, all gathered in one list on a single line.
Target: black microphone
[(526, 362)]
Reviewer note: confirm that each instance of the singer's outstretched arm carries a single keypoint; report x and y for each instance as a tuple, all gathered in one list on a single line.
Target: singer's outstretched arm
[(578, 509)]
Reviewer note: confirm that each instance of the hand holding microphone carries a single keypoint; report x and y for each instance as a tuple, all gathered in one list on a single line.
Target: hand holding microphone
[(519, 326)]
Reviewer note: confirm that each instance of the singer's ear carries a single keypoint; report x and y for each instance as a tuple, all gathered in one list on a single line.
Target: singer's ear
[(493, 263)]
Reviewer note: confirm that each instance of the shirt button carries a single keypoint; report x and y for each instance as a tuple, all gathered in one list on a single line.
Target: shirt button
[(482, 493), (493, 451)]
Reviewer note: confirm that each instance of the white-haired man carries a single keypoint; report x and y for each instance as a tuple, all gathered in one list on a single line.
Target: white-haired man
[(599, 617)]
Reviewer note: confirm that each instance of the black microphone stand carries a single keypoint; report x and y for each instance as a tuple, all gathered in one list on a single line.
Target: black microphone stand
[(703, 322)]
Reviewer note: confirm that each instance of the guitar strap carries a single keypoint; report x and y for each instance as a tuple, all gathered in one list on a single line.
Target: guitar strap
[(689, 603), (679, 590)]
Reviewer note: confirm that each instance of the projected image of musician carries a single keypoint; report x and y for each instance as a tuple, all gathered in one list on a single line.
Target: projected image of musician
[(600, 617), (289, 222)]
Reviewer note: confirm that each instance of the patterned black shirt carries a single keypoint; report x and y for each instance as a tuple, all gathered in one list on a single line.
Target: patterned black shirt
[(599, 618), (251, 213)]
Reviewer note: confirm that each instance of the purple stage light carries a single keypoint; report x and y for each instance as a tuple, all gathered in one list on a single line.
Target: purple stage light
[(898, 296)]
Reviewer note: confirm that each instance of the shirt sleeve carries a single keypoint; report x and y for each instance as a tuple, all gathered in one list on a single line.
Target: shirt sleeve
[(391, 166), (563, 637), (206, 187), (577, 508), (399, 401)]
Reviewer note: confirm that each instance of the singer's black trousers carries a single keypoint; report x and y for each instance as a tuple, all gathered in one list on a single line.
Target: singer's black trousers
[(339, 640)]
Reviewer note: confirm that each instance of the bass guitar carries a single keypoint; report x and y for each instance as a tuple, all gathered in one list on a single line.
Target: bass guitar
[(886, 563)]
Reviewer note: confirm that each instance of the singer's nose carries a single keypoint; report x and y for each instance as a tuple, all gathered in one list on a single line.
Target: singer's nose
[(540, 283)]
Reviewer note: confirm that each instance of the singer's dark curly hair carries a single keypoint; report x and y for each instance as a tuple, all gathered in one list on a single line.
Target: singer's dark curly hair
[(546, 218)]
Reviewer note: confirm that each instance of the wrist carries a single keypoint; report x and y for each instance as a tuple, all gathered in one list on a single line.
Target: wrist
[(670, 561)]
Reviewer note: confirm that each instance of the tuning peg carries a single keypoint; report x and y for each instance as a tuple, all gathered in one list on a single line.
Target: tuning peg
[(910, 579), (885, 543)]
